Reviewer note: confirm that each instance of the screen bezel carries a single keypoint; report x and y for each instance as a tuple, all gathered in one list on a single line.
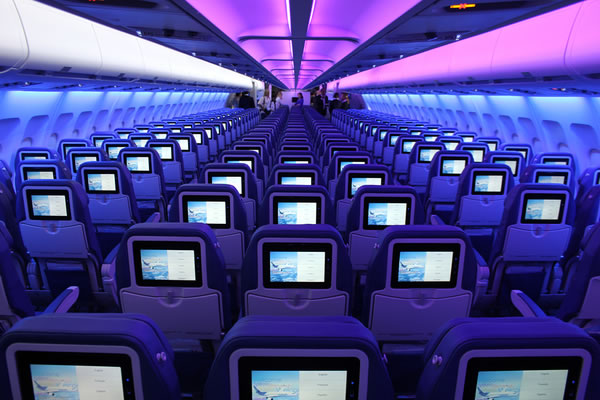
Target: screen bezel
[(485, 173), (24, 360), (296, 199), (475, 365), (424, 247), (189, 197), (353, 175), (211, 174), (27, 170), (368, 200), (187, 139), (246, 364), (543, 196), (159, 244), (114, 173), (452, 158), (156, 145), (563, 174), (288, 174), (327, 248), (133, 155), (49, 192)]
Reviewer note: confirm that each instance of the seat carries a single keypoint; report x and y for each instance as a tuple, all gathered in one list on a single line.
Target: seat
[(140, 139), (523, 148), (482, 190), (492, 142), (442, 183), (388, 145), (296, 204), (296, 174), (201, 144), (189, 152), (34, 153), (41, 169), (420, 277), (588, 179), (171, 161), (260, 149), (250, 158), (351, 179), (112, 147), (492, 358), (477, 150), (297, 270), (513, 159), (58, 233), (548, 173), (373, 209), (116, 356), (420, 163), (221, 208), (147, 178), (80, 155), (308, 357), (402, 151), (112, 202), (67, 144), (97, 138), (555, 158), (175, 274), (340, 160), (534, 234)]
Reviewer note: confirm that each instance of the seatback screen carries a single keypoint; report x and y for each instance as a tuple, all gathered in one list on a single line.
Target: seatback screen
[(306, 179), (297, 265), (78, 160), (208, 132), (160, 135), (453, 166), (256, 149), (285, 160), (98, 140), (68, 146), (140, 142), (101, 182), (488, 183), (450, 144), (430, 138), (138, 164), (165, 263), (211, 210), (235, 180), (408, 145), (426, 154), (513, 163), (358, 180), (522, 150), (296, 211), (379, 213), (477, 154), (48, 204), (342, 163), (552, 177), (425, 265), (39, 173), (393, 139), (246, 161), (492, 144), (113, 150), (184, 144), (555, 161), (165, 152), (197, 137), (542, 208), (34, 156)]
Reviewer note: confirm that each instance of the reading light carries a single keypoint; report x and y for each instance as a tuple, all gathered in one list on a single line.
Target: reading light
[(463, 6), (458, 36)]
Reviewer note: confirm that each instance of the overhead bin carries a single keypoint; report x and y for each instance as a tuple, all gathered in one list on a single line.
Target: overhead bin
[(13, 46), (583, 53), (121, 53)]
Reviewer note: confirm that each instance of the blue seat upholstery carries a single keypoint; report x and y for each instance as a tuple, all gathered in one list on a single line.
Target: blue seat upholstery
[(335, 167), (172, 164), (477, 150), (201, 144), (188, 300), (442, 183), (6, 175), (222, 173), (534, 234), (419, 164), (265, 290), (588, 179), (66, 144), (58, 233), (373, 209), (546, 173), (41, 169), (219, 206), (189, 152), (112, 202), (8, 216), (479, 204), (555, 158), (402, 153), (403, 305), (384, 149), (319, 337), (34, 153), (147, 178), (586, 216), (133, 343), (447, 356), (316, 199), (79, 155), (525, 149), (247, 156)]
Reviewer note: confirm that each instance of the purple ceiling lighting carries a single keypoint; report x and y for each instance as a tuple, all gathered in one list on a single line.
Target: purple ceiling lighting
[(298, 40)]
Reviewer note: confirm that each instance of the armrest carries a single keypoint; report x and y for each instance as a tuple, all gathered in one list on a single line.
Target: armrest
[(108, 273), (155, 217), (524, 304), (64, 301), (435, 220)]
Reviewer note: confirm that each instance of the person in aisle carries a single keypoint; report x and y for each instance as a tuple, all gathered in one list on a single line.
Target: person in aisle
[(277, 100), (335, 103), (345, 102), (300, 101), (264, 105), (246, 101)]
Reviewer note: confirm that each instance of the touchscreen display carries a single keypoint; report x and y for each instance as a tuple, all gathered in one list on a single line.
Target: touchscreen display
[(512, 163), (453, 167), (541, 209), (342, 164), (49, 205), (426, 155), (248, 162), (138, 164), (386, 214), (78, 160), (551, 178), (296, 180), (40, 174), (168, 265), (357, 181), (207, 212), (477, 154), (165, 152), (425, 265), (488, 184), (184, 144), (292, 213), (408, 145), (235, 181), (297, 266), (101, 182), (113, 151)]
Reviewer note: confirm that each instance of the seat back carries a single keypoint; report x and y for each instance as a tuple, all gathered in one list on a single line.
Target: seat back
[(171, 160), (67, 144), (189, 150), (112, 147), (119, 356), (296, 270), (250, 158), (420, 277), (296, 205), (402, 152), (555, 158), (547, 173), (442, 186), (296, 174), (513, 159), (33, 153), (221, 208), (522, 148), (419, 162), (588, 179), (41, 169), (98, 138), (485, 358), (477, 150), (80, 155)]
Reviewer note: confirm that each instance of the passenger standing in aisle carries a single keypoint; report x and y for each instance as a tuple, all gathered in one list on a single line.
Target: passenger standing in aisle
[(264, 105), (335, 103), (300, 101), (246, 101)]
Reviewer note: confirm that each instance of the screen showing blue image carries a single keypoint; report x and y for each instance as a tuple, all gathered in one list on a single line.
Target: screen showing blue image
[(468, 139), (78, 160), (197, 137), (295, 161), (543, 209), (299, 385), (46, 205), (102, 182), (488, 184), (393, 139), (344, 163), (140, 142), (165, 152), (113, 151), (138, 163), (426, 155), (207, 212), (357, 182), (34, 156), (168, 265), (76, 382), (296, 180), (67, 147), (512, 164), (160, 135), (235, 181), (387, 214), (522, 385), (249, 163), (451, 145), (492, 144), (176, 130), (430, 138), (297, 266), (425, 266), (208, 132), (184, 144), (561, 179), (552, 161), (29, 175), (453, 167), (99, 140), (408, 145), (477, 154), (382, 134), (293, 213)]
